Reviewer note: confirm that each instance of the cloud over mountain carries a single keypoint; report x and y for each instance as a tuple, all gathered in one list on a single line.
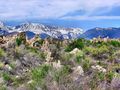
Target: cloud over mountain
[(57, 9)]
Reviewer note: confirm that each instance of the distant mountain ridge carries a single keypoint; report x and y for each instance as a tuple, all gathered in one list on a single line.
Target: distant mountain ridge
[(102, 32), (53, 31), (59, 32)]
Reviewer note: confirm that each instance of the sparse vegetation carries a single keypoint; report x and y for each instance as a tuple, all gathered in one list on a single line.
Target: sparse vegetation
[(6, 76), (18, 41), (51, 64), (79, 43), (80, 57), (110, 75), (39, 73), (86, 64), (2, 53), (62, 73)]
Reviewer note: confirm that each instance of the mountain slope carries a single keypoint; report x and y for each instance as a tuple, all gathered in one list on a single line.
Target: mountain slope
[(102, 32)]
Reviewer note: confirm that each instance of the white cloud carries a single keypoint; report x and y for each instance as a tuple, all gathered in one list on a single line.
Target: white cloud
[(44, 9), (91, 17)]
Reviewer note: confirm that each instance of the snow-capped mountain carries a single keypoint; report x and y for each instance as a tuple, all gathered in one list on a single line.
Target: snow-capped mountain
[(53, 31), (1, 24), (3, 27), (58, 32)]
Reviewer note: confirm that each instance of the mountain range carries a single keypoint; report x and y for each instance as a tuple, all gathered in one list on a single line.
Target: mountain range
[(44, 31), (102, 32)]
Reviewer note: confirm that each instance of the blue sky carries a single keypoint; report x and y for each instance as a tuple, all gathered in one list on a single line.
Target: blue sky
[(68, 13)]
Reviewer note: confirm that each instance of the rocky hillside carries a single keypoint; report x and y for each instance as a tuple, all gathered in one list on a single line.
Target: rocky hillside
[(53, 64)]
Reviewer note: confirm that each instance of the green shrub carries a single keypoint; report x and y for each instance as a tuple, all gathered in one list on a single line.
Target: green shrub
[(37, 52), (96, 78), (65, 56), (88, 50), (32, 86), (2, 53), (103, 64), (3, 87), (98, 52), (69, 48), (101, 50), (79, 57), (6, 76), (86, 64), (60, 74), (79, 43), (18, 41), (31, 49), (114, 43), (100, 76), (110, 75), (99, 43), (39, 73), (18, 80), (87, 42)]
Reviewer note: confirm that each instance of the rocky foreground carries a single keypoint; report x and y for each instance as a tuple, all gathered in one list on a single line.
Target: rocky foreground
[(53, 64)]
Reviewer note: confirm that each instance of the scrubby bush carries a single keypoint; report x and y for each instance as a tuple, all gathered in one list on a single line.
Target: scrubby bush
[(39, 73), (2, 53), (6, 76), (79, 43), (110, 75), (79, 57), (61, 74), (21, 39), (96, 79), (17, 53), (31, 49), (114, 43), (18, 41), (36, 51), (65, 56), (86, 64), (99, 43), (3, 87), (100, 76), (88, 50), (98, 52), (101, 63)]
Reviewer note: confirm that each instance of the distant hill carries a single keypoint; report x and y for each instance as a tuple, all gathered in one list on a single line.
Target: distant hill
[(101, 32)]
